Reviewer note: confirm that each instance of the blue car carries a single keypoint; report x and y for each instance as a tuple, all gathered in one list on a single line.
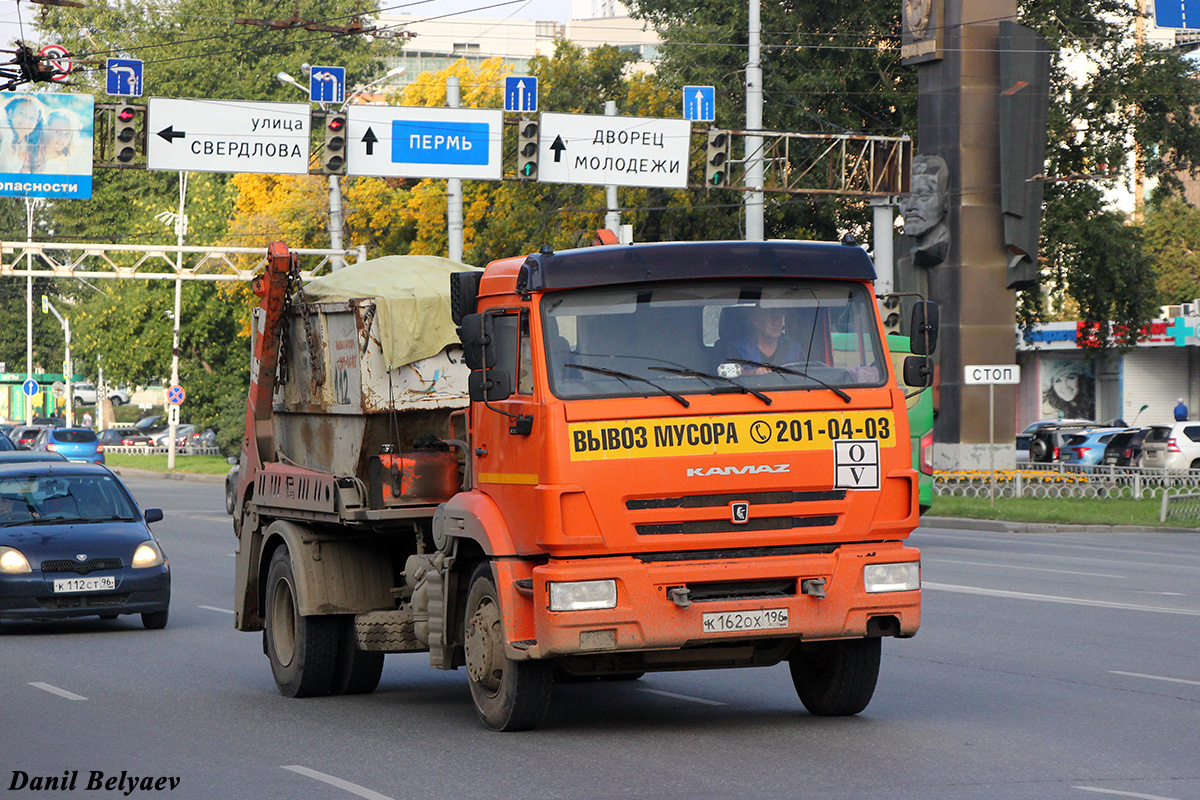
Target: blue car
[(73, 444), (1086, 448), (74, 544)]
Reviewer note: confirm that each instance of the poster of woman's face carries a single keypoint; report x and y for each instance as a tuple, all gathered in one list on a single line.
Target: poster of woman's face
[(48, 135), (1068, 388)]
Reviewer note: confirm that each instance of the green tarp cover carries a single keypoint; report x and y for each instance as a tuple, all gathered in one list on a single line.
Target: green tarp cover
[(412, 295)]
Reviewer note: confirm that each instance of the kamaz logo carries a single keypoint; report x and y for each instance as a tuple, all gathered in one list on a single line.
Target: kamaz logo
[(750, 469)]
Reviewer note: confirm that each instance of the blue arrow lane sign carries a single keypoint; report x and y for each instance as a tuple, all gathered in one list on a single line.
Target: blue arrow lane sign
[(419, 142), (699, 103), (1177, 13), (327, 84), (123, 77), (30, 387), (520, 94)]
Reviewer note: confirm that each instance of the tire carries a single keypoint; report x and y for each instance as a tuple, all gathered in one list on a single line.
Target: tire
[(116, 400), (357, 671), (509, 695), (835, 679), (303, 650), (230, 498), (1039, 450), (155, 620)]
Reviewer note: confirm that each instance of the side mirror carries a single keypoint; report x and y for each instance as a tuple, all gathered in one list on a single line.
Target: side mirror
[(464, 294), (918, 371), (154, 514), (489, 385), (477, 334), (232, 460), (923, 331)]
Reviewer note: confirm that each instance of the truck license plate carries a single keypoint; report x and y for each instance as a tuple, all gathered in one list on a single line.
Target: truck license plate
[(763, 619), (96, 584)]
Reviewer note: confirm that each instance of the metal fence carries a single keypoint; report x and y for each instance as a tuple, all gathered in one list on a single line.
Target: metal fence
[(1179, 490), (143, 450)]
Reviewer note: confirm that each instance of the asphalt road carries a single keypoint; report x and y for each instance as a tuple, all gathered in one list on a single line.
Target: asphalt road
[(1048, 666)]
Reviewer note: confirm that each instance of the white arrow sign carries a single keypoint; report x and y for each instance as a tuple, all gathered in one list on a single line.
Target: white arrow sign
[(618, 151), (227, 136)]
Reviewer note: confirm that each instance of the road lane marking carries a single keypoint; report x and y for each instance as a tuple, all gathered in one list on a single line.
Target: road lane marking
[(685, 697), (347, 786), (1049, 598), (1155, 677), (1013, 566), (45, 687), (1122, 794), (219, 610)]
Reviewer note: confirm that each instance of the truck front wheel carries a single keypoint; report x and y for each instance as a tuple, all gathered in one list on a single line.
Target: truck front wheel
[(509, 695), (303, 650), (835, 679)]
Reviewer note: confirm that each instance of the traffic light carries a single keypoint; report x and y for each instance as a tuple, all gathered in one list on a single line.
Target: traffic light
[(333, 158), (889, 306), (716, 173), (527, 149), (125, 134)]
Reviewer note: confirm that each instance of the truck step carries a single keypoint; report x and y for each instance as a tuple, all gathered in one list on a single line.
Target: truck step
[(387, 632)]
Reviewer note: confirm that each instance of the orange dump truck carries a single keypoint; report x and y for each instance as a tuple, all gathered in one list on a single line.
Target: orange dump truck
[(627, 459)]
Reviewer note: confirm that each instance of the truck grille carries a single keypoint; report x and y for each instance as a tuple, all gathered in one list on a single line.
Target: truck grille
[(81, 567), (741, 590), (739, 552), (717, 500), (725, 526)]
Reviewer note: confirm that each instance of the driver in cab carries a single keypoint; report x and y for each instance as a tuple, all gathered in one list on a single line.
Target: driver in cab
[(765, 341)]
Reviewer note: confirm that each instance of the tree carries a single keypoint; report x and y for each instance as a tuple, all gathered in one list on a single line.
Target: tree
[(1172, 236), (193, 48)]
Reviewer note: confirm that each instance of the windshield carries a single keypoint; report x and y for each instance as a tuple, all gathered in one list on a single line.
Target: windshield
[(712, 337), (50, 498)]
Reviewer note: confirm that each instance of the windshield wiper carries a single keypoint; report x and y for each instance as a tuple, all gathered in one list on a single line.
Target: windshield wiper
[(629, 376), (777, 368), (58, 521), (695, 373)]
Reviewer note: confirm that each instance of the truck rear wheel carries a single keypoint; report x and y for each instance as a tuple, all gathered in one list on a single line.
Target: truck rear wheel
[(835, 679), (303, 650), (357, 671), (509, 695)]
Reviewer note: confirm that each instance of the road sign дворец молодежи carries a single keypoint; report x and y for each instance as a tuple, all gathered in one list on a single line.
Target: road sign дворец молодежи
[(618, 151)]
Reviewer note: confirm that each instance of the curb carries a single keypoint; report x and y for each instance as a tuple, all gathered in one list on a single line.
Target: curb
[(171, 476), (1001, 526)]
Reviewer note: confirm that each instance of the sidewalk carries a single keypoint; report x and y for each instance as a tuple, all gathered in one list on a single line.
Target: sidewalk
[(1002, 526)]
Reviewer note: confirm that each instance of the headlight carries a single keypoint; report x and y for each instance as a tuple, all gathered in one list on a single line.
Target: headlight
[(583, 595), (147, 555), (892, 577), (13, 562)]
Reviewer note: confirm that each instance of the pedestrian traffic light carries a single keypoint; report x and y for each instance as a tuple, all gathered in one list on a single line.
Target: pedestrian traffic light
[(527, 149), (125, 134), (716, 172), (333, 158)]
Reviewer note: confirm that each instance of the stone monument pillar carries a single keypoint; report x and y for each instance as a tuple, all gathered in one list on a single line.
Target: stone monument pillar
[(955, 42)]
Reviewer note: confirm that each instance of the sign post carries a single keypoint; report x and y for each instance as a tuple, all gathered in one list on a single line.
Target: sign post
[(979, 374)]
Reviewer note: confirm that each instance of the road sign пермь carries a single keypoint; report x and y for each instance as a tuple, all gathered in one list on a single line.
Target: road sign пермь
[(413, 142), (700, 103), (980, 374), (227, 136), (327, 84), (123, 77), (521, 94), (618, 151)]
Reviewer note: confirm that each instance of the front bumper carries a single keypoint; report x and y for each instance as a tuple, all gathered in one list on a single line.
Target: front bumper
[(646, 618), (32, 595)]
